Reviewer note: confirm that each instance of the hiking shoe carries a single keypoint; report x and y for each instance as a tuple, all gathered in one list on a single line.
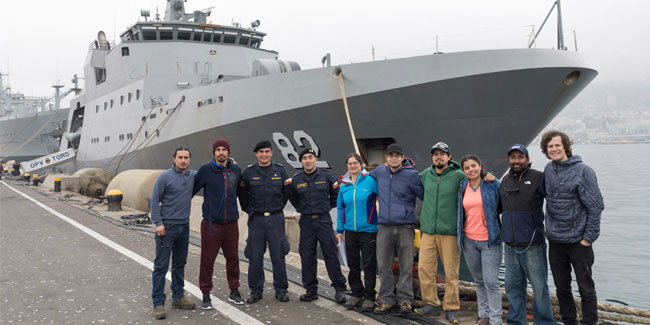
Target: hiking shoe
[(235, 297), (353, 302), (482, 321), (382, 308), (254, 297), (183, 303), (429, 310), (368, 305), (452, 317), (159, 312), (309, 296), (207, 302), (340, 297), (282, 296), (404, 307)]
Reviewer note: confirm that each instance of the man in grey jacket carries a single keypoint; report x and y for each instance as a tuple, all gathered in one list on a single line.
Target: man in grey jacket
[(573, 208), (170, 204)]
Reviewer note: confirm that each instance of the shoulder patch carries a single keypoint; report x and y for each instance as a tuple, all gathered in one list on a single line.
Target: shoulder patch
[(335, 184), (287, 181)]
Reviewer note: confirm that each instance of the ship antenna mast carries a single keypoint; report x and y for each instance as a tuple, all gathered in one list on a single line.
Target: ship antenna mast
[(560, 32)]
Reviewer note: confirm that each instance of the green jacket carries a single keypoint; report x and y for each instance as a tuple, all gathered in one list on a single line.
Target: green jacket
[(440, 204)]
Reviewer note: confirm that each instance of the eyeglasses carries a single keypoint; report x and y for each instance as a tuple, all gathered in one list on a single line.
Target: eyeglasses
[(353, 163)]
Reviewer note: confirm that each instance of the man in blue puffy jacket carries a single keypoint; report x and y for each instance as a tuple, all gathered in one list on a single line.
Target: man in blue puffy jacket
[(573, 208), (399, 184)]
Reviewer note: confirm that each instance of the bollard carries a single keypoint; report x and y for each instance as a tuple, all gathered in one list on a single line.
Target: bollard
[(27, 177), (57, 184), (114, 198), (35, 179)]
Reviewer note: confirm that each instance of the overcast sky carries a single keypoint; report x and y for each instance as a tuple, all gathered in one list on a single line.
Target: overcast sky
[(45, 40)]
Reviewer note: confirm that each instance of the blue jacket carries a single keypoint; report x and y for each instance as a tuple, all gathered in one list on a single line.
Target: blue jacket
[(522, 198), (357, 204), (397, 193), (491, 207), (573, 202), (220, 185), (171, 197)]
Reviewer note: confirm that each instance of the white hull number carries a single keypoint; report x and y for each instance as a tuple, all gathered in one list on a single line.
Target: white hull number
[(290, 149)]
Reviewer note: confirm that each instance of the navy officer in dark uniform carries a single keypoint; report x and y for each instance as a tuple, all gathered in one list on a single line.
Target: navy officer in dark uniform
[(263, 195), (313, 193)]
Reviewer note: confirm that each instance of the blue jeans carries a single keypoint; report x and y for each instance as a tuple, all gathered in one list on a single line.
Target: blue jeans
[(531, 264), (483, 262), (174, 242), (263, 230)]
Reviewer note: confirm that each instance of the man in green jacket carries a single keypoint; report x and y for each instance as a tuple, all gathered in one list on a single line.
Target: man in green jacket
[(439, 238)]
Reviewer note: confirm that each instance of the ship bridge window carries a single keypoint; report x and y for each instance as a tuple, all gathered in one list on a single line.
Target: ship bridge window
[(166, 35), (255, 43), (244, 40), (184, 36), (230, 39), (197, 37), (149, 35), (216, 39), (125, 51), (207, 37)]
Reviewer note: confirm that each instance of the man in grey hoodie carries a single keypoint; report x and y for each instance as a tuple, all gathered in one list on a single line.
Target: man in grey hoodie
[(573, 208)]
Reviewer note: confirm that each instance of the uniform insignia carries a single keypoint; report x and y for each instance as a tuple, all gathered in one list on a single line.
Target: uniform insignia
[(251, 165), (276, 177), (256, 178), (279, 165), (287, 181), (319, 183), (335, 184), (301, 185)]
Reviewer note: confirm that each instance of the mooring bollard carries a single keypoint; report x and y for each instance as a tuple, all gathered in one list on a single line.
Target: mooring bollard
[(27, 177), (57, 184), (35, 179), (114, 198)]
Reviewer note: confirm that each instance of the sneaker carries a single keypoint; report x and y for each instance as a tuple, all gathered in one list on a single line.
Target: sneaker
[(353, 302), (207, 302), (235, 297), (282, 296), (254, 297), (483, 321), (368, 305), (183, 303), (383, 308), (309, 296), (340, 297), (429, 310), (159, 312), (452, 317), (404, 307)]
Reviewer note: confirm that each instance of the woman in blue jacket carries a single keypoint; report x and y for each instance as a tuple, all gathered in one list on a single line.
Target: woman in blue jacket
[(479, 236), (357, 218)]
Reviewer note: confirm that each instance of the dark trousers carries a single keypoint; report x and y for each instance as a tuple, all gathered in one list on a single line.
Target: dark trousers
[(361, 247), (213, 237), (174, 245), (263, 230), (315, 229), (561, 258)]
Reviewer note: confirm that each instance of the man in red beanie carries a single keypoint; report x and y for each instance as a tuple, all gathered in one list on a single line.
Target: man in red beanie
[(219, 181)]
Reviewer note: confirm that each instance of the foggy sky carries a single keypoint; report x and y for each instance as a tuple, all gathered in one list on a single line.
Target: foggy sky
[(45, 40)]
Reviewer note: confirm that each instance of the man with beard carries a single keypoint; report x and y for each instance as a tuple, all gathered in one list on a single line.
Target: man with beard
[(313, 192), (522, 232), (219, 180), (263, 193)]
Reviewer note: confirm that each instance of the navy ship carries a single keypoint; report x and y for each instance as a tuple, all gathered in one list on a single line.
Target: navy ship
[(180, 81)]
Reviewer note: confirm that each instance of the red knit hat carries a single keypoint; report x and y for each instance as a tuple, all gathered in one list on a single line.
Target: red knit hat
[(221, 143)]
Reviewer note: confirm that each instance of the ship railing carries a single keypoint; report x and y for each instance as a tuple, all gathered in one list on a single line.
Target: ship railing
[(101, 45)]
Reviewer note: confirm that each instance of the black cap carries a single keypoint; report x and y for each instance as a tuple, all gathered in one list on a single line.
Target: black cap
[(394, 148), (518, 147), (262, 145), (306, 151), (440, 146)]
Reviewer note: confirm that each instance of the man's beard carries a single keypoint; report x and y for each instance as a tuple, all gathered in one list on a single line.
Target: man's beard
[(440, 165)]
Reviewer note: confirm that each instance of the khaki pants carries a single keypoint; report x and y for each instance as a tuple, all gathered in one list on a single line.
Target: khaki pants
[(446, 246)]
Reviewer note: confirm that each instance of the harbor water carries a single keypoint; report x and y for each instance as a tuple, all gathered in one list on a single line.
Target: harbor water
[(622, 252)]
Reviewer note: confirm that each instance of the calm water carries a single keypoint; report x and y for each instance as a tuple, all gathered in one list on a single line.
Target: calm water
[(621, 270)]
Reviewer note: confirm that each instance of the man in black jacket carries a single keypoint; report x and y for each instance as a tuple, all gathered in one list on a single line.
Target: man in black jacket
[(522, 232)]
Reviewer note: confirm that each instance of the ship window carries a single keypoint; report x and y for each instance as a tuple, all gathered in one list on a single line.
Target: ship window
[(125, 51), (111, 103), (199, 104), (166, 35), (197, 37), (137, 94), (244, 40), (255, 43), (216, 39), (152, 116), (146, 134), (230, 39), (207, 38), (122, 100), (96, 108), (149, 35), (184, 35), (209, 101), (130, 95), (105, 105), (220, 99)]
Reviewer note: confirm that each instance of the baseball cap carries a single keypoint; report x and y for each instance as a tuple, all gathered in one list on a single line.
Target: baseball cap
[(440, 146), (518, 147), (394, 148)]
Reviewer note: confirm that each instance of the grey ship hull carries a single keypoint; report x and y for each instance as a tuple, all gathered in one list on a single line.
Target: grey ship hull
[(481, 114), (28, 137)]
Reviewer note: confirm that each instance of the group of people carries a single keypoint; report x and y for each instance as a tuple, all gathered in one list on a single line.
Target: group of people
[(463, 209)]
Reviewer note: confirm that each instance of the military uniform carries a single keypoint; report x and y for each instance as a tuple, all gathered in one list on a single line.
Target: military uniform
[(263, 195), (314, 195)]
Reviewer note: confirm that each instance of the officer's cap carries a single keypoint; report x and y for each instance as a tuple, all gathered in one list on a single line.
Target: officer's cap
[(307, 151)]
